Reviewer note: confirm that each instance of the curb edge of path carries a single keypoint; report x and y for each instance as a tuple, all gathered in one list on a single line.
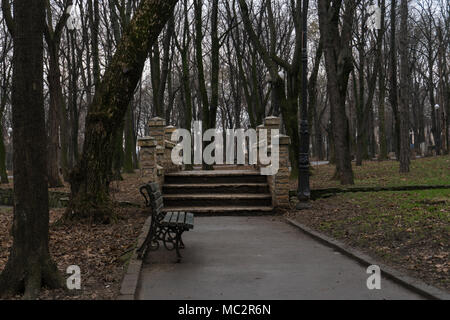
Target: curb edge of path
[(410, 283), (130, 280)]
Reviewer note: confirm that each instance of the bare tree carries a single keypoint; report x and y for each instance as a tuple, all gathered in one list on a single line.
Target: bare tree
[(339, 65), (5, 88), (57, 107), (29, 265), (404, 155)]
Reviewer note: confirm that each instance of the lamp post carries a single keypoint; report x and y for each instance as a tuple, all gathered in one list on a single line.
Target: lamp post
[(304, 191)]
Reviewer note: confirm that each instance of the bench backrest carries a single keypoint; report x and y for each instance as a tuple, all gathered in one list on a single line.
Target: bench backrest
[(153, 198)]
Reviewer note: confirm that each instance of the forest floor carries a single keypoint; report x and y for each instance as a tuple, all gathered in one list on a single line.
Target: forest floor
[(101, 251), (407, 230)]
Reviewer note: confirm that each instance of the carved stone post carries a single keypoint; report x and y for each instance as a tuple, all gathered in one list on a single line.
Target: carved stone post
[(157, 132), (147, 159), (169, 145), (278, 183), (281, 184), (271, 123)]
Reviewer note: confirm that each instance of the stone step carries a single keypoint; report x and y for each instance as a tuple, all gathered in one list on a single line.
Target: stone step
[(225, 211), (208, 200), (215, 177), (213, 173), (227, 167), (227, 191), (217, 188)]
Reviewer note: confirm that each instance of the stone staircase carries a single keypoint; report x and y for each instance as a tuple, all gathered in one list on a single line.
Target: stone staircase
[(223, 191)]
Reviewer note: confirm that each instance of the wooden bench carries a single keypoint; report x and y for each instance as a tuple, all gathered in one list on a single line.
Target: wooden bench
[(166, 228)]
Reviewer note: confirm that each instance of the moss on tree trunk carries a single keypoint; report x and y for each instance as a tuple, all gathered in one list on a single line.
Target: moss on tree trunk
[(91, 177)]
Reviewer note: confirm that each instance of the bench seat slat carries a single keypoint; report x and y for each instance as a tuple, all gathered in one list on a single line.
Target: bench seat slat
[(167, 218), (181, 218), (189, 220), (174, 219)]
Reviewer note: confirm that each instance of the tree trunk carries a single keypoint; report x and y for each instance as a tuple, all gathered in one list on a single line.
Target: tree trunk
[(3, 171), (29, 265), (361, 113), (382, 88), (185, 77), (73, 106), (94, 23), (118, 154), (434, 114), (315, 118), (404, 94), (394, 85), (91, 177), (443, 89), (339, 64), (215, 64), (130, 147), (163, 84), (203, 99), (54, 116), (155, 71), (56, 111)]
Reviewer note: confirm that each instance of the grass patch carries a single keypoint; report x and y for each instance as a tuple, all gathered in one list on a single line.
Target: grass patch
[(426, 171)]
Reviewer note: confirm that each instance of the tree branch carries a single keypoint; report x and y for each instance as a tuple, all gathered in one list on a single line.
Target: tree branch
[(6, 8)]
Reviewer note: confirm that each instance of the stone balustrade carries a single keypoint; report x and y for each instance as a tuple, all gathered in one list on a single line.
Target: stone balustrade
[(278, 183), (155, 157), (155, 152)]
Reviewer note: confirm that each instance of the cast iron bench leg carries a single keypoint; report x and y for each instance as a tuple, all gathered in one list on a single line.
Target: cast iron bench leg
[(177, 245), (143, 249), (182, 246)]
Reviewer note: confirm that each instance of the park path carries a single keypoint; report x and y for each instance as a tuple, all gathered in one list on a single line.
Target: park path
[(263, 258)]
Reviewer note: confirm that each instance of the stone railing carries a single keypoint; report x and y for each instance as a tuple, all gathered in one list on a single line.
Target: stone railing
[(56, 199), (278, 183), (155, 157), (155, 152)]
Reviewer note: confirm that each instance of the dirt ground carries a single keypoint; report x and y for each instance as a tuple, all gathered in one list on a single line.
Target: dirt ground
[(407, 230), (101, 251)]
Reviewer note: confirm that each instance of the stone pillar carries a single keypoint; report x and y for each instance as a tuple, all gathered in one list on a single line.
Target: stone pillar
[(258, 129), (168, 131), (281, 179), (157, 130), (147, 159), (151, 156), (271, 123), (169, 166), (279, 183)]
